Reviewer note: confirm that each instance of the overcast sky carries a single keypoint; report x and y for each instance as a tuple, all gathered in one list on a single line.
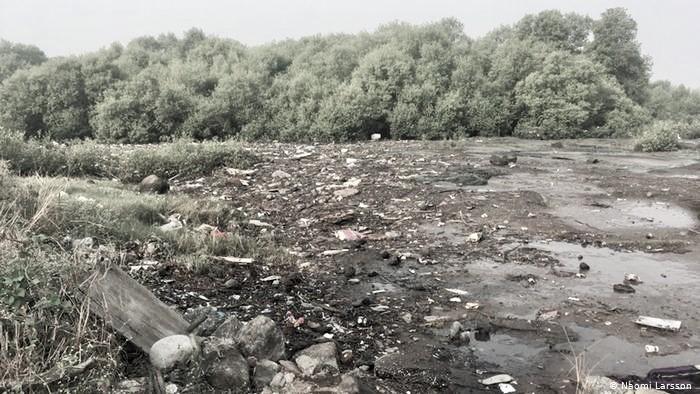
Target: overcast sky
[(667, 29)]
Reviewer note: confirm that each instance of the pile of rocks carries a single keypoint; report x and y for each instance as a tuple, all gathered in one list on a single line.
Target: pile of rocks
[(249, 357)]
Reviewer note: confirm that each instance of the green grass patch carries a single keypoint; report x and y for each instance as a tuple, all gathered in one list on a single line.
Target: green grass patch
[(127, 163)]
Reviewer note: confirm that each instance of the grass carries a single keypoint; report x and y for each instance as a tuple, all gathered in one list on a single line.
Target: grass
[(44, 321), (127, 163)]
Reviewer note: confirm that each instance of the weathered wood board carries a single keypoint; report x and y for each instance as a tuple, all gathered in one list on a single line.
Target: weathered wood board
[(131, 308)]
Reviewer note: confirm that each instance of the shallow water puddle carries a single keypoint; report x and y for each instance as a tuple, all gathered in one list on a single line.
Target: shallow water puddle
[(628, 215)]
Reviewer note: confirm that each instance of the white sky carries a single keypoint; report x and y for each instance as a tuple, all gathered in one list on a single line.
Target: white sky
[(667, 29)]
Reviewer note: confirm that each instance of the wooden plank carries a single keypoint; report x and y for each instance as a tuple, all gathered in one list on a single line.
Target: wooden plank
[(131, 308)]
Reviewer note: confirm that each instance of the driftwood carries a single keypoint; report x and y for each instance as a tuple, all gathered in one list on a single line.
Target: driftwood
[(52, 375), (131, 308)]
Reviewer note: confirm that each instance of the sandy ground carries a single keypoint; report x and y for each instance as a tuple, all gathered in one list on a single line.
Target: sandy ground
[(517, 292)]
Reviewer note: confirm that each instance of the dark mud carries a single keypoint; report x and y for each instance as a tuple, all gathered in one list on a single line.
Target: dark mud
[(392, 297)]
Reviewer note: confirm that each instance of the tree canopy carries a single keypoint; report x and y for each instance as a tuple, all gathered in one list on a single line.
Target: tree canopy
[(550, 75)]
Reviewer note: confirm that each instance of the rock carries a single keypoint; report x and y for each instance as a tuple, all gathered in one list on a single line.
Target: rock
[(600, 384), (289, 366), (154, 184), (173, 224), (172, 350), (406, 317), (229, 329), (223, 365), (623, 288), (346, 356), (278, 381), (503, 159), (592, 161), (213, 321), (261, 338), (280, 174), (317, 358), (584, 267), (264, 371)]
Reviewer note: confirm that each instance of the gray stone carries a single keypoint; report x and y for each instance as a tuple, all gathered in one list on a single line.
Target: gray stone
[(264, 371), (317, 358), (261, 338), (455, 329), (172, 350), (229, 328), (154, 184), (223, 365), (208, 326), (289, 366)]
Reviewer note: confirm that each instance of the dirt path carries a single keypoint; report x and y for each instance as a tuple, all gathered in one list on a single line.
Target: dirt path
[(386, 297)]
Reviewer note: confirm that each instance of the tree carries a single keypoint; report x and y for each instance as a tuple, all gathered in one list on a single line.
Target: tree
[(15, 57), (615, 46)]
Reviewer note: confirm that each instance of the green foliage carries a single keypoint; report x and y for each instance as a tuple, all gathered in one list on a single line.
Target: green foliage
[(15, 57), (660, 136), (615, 46), (129, 164), (549, 75), (14, 287)]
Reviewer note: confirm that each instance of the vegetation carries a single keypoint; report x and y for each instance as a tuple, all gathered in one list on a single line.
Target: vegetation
[(44, 319), (659, 136), (550, 75), (128, 164)]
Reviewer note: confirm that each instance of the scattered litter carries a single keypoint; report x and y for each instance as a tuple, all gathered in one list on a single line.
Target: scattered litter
[(651, 349), (458, 291), (506, 388), (333, 252), (235, 260), (280, 174), (632, 279), (475, 237), (664, 324), (472, 305), (550, 315), (344, 193), (259, 223), (237, 172), (271, 278), (348, 235), (496, 379), (455, 299), (376, 137)]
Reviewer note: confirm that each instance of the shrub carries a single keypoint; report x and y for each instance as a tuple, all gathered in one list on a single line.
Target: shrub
[(127, 163), (660, 136)]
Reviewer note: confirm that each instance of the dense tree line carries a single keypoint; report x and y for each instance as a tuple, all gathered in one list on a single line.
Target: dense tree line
[(550, 75)]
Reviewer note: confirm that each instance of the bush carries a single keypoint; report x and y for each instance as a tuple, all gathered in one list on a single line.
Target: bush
[(127, 163), (660, 136)]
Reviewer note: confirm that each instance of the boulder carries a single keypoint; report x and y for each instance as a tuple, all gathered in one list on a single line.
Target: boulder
[(172, 350), (262, 339), (154, 184), (223, 366), (503, 159), (229, 328), (264, 371), (317, 358)]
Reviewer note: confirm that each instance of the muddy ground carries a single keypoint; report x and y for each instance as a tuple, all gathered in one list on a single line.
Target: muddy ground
[(417, 203)]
